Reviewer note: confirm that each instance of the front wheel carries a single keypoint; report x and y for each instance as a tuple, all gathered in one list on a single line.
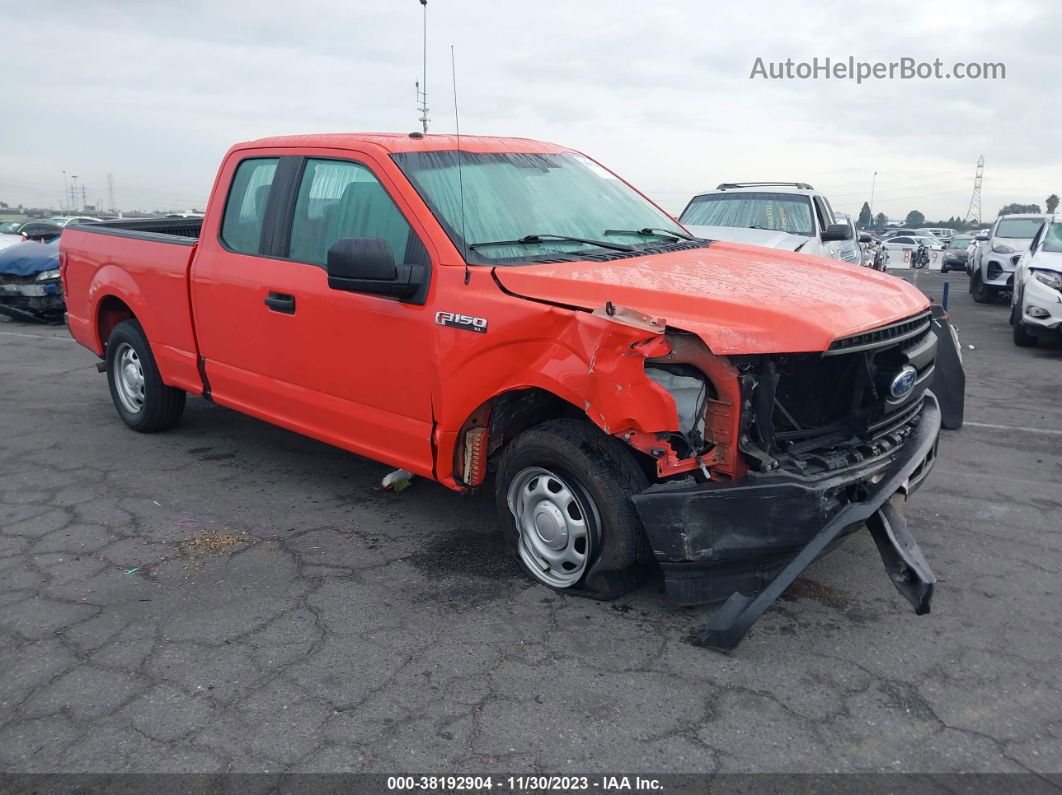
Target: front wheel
[(563, 497), (143, 401), (981, 294), (1021, 337)]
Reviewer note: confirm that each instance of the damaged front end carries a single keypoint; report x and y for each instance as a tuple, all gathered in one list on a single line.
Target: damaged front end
[(32, 298), (797, 451), (30, 287)]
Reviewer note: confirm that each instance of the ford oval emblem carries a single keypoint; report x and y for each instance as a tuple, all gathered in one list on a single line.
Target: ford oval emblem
[(903, 382)]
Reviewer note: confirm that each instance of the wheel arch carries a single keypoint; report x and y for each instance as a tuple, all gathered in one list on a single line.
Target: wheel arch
[(114, 296)]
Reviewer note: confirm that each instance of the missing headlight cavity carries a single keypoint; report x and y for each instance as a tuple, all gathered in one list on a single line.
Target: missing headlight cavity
[(691, 392)]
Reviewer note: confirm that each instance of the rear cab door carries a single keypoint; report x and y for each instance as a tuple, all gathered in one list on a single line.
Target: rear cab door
[(352, 369)]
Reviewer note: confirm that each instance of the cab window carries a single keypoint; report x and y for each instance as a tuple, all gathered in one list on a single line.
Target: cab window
[(241, 226), (339, 199)]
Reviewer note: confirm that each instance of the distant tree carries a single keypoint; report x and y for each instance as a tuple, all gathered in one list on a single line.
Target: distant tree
[(865, 217), (915, 218), (1015, 208), (1051, 203), (881, 220), (3, 205)]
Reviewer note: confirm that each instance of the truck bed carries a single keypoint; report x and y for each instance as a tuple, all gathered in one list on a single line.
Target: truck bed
[(119, 268), (163, 230)]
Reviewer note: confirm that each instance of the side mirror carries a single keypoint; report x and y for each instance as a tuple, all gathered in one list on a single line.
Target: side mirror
[(981, 238), (865, 238), (367, 265), (837, 232)]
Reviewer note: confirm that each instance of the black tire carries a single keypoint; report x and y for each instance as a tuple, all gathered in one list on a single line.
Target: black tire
[(1021, 337), (600, 469), (981, 294), (162, 406)]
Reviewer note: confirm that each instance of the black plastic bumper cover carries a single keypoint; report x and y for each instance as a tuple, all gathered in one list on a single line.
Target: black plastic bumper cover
[(758, 534)]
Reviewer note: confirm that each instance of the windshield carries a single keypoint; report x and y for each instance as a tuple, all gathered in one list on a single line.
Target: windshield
[(1021, 228), (508, 197), (1053, 239), (10, 227), (781, 212)]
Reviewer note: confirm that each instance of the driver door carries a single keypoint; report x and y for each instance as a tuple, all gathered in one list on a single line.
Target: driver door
[(351, 369)]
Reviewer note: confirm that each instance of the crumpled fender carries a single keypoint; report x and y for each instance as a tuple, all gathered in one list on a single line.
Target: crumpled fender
[(592, 361)]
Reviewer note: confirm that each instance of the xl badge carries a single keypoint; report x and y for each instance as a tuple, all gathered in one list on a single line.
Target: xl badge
[(464, 322), (903, 382)]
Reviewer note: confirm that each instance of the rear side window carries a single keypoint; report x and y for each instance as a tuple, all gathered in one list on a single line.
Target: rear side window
[(241, 227), (339, 199)]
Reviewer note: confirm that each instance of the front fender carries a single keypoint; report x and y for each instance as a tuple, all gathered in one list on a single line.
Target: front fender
[(593, 362)]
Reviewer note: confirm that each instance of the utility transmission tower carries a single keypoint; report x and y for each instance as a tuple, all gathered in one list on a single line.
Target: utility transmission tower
[(974, 210), (422, 84), (110, 193)]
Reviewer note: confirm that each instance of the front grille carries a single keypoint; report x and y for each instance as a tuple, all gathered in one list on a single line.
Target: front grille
[(815, 412), (880, 337)]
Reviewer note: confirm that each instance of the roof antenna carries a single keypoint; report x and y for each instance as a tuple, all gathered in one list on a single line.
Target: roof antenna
[(422, 85), (460, 180)]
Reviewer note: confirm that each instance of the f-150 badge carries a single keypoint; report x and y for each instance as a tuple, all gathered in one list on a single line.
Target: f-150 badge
[(465, 322)]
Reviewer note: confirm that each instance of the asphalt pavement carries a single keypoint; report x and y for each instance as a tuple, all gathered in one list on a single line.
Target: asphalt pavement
[(229, 596)]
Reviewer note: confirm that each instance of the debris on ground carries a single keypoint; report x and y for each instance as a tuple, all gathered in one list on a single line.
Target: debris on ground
[(399, 480), (213, 542)]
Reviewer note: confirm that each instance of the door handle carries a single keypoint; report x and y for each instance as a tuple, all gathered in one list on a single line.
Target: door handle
[(281, 302)]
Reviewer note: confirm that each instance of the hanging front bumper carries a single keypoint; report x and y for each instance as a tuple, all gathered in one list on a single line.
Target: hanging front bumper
[(745, 541)]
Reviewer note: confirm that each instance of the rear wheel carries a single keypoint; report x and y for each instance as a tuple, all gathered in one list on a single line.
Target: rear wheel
[(563, 497), (143, 402)]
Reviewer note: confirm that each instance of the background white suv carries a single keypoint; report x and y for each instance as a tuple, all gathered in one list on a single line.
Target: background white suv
[(786, 215), (1036, 301), (992, 271)]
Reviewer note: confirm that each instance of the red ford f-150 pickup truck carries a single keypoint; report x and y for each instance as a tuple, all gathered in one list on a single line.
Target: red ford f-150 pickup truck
[(506, 307)]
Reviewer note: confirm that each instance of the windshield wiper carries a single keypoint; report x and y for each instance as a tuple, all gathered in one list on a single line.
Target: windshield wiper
[(651, 231), (530, 240)]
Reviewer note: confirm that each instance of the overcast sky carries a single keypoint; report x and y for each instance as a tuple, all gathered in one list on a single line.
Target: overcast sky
[(154, 93)]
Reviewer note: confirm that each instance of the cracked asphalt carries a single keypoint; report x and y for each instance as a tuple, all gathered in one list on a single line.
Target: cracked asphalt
[(229, 596)]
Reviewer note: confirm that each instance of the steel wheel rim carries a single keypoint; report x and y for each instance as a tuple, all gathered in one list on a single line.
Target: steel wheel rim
[(129, 378), (556, 525)]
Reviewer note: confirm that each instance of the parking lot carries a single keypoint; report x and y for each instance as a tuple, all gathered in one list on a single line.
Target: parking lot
[(232, 596)]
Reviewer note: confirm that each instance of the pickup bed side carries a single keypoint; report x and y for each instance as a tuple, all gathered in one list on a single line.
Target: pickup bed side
[(124, 269)]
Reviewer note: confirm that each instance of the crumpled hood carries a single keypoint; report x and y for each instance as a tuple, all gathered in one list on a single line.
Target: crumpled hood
[(29, 257), (738, 299), (754, 237)]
